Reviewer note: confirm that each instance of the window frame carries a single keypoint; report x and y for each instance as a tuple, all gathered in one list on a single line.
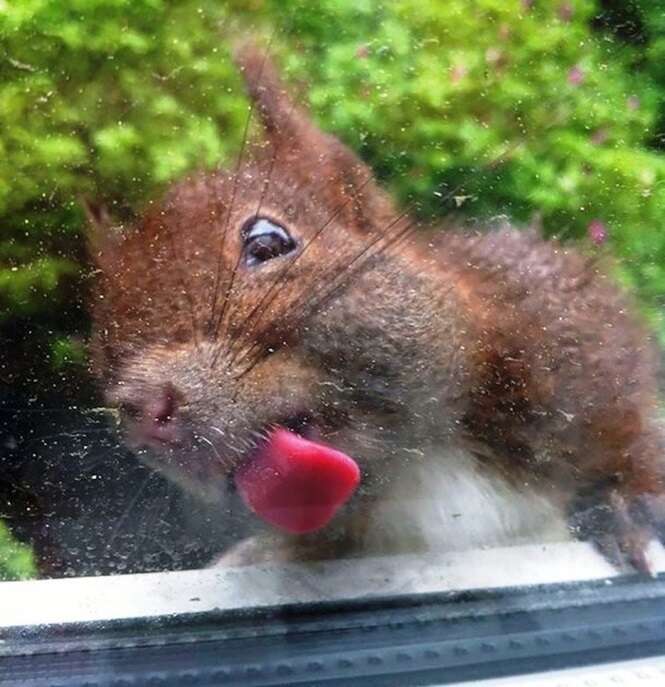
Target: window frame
[(204, 634)]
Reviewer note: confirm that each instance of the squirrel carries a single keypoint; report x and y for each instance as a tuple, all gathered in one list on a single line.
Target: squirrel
[(284, 332)]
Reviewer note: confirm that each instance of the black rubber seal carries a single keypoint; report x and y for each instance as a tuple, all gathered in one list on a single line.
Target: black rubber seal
[(400, 641)]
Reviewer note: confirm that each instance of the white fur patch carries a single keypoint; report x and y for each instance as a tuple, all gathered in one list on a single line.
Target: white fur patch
[(448, 502)]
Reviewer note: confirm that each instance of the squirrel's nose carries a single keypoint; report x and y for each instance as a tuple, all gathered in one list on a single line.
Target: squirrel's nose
[(155, 416)]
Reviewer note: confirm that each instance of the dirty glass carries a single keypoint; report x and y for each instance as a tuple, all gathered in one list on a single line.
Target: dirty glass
[(286, 281)]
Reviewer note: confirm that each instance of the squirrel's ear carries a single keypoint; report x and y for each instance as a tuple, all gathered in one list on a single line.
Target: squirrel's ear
[(301, 145), (102, 233), (283, 121)]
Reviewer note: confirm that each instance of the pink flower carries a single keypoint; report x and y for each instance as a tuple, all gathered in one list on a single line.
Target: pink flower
[(599, 136), (458, 72), (633, 102), (597, 231), (362, 53), (566, 12), (576, 75)]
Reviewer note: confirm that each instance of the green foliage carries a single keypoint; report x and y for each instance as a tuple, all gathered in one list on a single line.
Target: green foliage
[(99, 98), (529, 109), (525, 105), (16, 560), (67, 351), (23, 288)]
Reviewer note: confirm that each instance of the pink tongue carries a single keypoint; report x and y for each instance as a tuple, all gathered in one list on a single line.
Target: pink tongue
[(296, 484)]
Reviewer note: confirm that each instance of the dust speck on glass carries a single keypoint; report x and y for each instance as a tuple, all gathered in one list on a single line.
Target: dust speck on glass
[(290, 282)]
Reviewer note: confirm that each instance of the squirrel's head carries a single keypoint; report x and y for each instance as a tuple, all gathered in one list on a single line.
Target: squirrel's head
[(261, 297)]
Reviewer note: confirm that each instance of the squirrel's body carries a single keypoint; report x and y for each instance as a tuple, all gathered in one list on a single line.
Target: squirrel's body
[(491, 386)]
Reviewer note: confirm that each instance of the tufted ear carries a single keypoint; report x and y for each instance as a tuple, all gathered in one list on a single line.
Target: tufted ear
[(299, 143), (103, 234)]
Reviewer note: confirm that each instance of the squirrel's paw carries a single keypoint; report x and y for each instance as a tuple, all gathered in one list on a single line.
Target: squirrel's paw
[(620, 529)]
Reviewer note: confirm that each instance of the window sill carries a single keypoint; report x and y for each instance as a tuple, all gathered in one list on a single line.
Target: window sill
[(397, 621), (149, 595)]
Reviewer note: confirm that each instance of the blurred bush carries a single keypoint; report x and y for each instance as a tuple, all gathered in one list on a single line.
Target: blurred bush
[(535, 109), (16, 560), (547, 110)]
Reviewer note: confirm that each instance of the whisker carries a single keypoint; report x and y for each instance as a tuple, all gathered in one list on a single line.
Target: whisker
[(178, 263), (265, 301), (218, 430), (316, 304), (97, 460), (234, 192), (266, 181), (155, 513), (397, 239), (4, 409), (492, 164), (122, 519), (335, 271), (218, 349), (207, 441), (339, 275), (264, 191)]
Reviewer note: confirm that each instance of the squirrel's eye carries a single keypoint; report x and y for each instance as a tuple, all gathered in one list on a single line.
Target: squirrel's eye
[(265, 240)]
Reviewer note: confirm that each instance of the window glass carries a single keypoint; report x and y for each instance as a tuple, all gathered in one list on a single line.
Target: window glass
[(284, 282)]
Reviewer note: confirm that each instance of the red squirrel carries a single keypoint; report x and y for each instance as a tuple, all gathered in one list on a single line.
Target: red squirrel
[(366, 385)]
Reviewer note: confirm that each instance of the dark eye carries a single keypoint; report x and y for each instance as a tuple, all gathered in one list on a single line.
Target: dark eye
[(265, 240)]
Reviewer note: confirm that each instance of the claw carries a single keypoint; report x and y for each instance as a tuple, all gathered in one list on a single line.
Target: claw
[(620, 531)]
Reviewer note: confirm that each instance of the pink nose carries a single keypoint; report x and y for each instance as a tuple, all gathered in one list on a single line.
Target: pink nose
[(158, 417)]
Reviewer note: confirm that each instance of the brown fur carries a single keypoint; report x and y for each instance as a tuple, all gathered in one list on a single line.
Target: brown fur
[(522, 350)]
